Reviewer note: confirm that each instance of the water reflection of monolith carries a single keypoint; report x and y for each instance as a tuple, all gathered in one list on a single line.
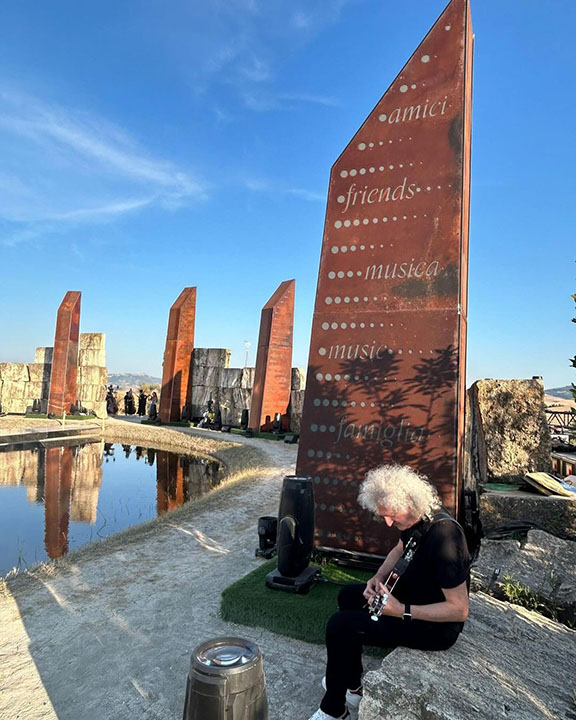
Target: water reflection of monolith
[(171, 482), (176, 379), (387, 355), (58, 467), (64, 376), (273, 373)]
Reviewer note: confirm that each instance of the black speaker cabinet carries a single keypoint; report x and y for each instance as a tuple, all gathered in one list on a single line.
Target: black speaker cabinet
[(295, 536)]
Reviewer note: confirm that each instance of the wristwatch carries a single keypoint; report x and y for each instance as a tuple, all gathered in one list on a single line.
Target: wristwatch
[(407, 614)]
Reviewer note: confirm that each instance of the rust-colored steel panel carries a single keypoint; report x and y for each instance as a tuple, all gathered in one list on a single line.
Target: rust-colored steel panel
[(386, 369), (273, 373), (64, 376), (176, 371)]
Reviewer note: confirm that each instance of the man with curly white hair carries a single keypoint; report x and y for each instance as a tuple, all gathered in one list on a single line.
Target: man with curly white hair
[(428, 605)]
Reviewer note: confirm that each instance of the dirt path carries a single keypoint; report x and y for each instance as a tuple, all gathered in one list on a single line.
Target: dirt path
[(108, 634)]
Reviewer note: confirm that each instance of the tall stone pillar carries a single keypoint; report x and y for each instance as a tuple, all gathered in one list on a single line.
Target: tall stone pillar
[(176, 379), (273, 374), (387, 356), (64, 375)]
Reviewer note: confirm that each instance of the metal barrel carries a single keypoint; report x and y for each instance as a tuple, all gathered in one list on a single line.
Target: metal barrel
[(226, 681)]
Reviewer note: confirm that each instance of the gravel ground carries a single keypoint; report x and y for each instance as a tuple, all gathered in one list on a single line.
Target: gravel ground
[(106, 634)]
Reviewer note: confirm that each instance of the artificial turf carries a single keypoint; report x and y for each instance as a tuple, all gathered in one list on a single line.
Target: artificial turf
[(303, 617)]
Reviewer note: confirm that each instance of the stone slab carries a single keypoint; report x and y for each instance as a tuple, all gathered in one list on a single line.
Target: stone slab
[(39, 372), (211, 357), (546, 564), (298, 379), (555, 514), (43, 355), (386, 376), (510, 429), (14, 372), (509, 663), (273, 373)]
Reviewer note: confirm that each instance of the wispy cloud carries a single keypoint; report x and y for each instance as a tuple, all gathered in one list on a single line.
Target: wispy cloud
[(263, 101), (243, 44), (268, 186), (64, 166)]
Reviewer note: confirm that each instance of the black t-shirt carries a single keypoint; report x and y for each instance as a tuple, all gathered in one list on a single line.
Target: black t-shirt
[(440, 561)]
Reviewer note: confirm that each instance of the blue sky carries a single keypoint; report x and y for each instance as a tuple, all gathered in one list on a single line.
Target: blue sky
[(147, 146)]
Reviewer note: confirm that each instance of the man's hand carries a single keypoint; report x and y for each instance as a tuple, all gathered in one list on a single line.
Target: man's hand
[(371, 589)]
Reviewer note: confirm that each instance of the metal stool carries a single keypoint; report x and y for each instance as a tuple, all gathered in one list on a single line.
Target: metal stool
[(226, 682)]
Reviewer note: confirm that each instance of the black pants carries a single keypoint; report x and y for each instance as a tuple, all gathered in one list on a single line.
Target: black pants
[(351, 628)]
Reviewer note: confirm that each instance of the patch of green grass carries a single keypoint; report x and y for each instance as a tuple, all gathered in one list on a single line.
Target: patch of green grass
[(517, 593), (303, 617)]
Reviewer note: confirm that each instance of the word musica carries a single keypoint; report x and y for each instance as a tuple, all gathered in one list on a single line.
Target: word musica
[(366, 196), (414, 112), (403, 270), (386, 435)]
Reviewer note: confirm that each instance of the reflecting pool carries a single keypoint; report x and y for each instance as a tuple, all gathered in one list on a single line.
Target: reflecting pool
[(54, 498)]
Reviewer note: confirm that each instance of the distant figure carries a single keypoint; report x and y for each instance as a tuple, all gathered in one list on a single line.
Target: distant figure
[(111, 403), (129, 404), (153, 409), (142, 403)]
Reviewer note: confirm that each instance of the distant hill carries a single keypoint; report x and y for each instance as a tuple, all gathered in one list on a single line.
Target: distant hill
[(132, 380), (561, 392)]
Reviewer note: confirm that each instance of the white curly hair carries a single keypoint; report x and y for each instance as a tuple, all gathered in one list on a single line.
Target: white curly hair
[(396, 488)]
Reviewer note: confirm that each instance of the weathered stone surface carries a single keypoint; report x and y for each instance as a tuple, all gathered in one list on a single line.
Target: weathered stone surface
[(19, 468), (555, 514), (207, 376), (273, 375), (509, 420), (39, 372), (176, 372), (64, 377), (14, 372), (12, 390), (15, 405), (545, 563), (508, 663), (94, 341), (92, 375), (43, 355), (92, 349), (86, 482), (296, 405), (35, 390), (298, 379), (237, 378), (211, 357), (389, 330)]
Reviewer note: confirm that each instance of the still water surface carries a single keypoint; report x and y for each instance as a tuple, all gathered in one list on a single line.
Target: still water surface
[(57, 498)]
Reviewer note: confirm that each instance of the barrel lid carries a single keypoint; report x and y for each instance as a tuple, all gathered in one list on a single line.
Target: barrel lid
[(226, 654)]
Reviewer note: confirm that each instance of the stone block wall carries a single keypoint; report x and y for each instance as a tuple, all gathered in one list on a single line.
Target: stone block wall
[(230, 389), (22, 383), (92, 373)]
